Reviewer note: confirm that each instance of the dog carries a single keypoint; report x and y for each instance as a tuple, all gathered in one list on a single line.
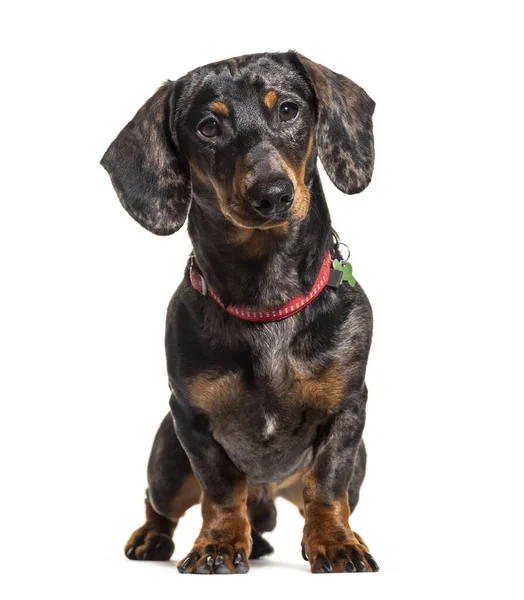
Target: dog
[(266, 352)]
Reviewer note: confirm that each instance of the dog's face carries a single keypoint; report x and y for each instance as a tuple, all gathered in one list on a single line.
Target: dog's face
[(240, 138), (248, 132)]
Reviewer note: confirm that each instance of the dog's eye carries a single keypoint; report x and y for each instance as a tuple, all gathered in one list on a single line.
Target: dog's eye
[(288, 111), (210, 128)]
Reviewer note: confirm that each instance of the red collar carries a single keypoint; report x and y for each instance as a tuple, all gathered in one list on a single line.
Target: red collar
[(272, 314)]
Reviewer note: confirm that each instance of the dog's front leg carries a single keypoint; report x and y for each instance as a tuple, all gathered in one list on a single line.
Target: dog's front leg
[(224, 542), (328, 541)]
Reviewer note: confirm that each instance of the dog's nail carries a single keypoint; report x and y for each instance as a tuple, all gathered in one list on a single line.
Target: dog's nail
[(372, 563), (326, 566), (144, 556), (362, 566), (209, 561), (304, 555), (238, 558), (349, 567), (219, 560), (130, 552), (184, 565)]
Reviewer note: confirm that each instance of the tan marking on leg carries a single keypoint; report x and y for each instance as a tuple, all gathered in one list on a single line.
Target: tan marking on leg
[(220, 108), (292, 490), (327, 533), (226, 522), (156, 530), (270, 99), (186, 496), (159, 522), (361, 541), (225, 530), (157, 527)]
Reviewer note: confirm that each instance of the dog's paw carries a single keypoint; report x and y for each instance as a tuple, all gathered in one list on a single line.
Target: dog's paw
[(208, 558), (349, 556), (147, 544), (260, 546)]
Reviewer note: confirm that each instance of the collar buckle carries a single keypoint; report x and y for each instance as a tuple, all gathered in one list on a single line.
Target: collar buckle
[(203, 286), (198, 281)]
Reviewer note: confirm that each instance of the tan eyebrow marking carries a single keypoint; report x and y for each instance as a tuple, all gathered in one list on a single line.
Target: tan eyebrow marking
[(220, 108), (270, 99)]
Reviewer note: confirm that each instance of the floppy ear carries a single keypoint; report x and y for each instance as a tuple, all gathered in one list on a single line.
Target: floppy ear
[(149, 174), (344, 127)]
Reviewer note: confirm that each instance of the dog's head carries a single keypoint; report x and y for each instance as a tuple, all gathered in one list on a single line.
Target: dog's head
[(241, 138)]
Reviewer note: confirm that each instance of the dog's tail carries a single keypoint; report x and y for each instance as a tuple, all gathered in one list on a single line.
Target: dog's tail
[(260, 546)]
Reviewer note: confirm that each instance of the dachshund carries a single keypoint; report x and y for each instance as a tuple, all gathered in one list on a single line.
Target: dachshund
[(266, 348)]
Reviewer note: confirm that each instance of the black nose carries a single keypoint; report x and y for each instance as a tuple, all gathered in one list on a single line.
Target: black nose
[(271, 197)]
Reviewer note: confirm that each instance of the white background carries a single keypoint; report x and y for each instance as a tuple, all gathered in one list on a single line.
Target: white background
[(436, 242)]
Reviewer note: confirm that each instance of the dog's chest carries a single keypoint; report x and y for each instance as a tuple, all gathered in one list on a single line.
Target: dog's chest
[(267, 413)]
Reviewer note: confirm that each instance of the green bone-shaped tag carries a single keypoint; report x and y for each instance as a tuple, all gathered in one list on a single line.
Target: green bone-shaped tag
[(347, 271)]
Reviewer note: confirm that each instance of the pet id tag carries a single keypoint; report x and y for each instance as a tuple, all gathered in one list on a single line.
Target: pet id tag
[(341, 271)]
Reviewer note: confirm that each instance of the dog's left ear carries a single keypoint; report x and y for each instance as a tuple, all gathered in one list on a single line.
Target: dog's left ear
[(147, 169), (344, 130)]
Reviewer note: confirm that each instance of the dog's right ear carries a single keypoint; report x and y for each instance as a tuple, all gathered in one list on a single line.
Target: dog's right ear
[(150, 176)]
